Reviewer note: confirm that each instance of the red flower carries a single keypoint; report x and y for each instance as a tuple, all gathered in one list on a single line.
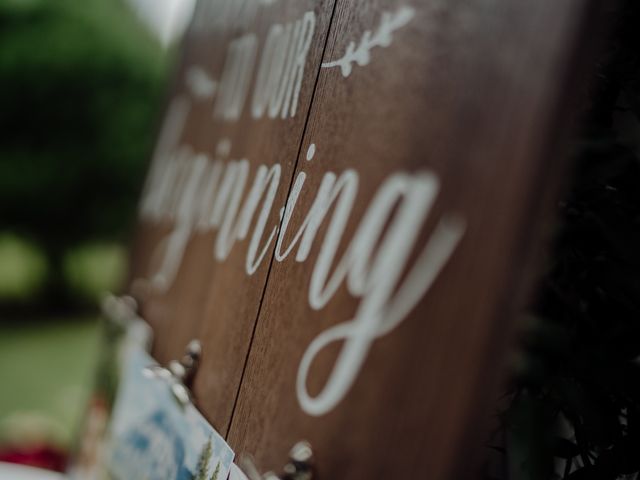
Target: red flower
[(42, 456)]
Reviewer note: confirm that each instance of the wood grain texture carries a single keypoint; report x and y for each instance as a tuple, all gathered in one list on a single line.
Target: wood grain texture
[(148, 235), (216, 301), (471, 90)]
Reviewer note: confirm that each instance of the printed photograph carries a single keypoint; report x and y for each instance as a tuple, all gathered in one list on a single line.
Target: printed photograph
[(154, 437)]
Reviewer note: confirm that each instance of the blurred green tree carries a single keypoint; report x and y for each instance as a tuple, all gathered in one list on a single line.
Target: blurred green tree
[(80, 85)]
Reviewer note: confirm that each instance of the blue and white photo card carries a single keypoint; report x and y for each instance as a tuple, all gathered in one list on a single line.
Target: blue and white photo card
[(155, 437)]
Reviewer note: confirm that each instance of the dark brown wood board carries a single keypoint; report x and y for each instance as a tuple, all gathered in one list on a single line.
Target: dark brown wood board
[(438, 127), (151, 232), (188, 113), (417, 161), (204, 289)]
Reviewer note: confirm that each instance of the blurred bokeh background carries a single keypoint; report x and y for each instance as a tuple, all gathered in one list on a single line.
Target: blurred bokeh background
[(81, 88)]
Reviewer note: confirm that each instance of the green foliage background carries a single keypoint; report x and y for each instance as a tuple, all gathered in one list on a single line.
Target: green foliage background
[(574, 403), (80, 87)]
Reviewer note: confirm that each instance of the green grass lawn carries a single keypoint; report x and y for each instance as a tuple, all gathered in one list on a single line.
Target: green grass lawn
[(46, 370)]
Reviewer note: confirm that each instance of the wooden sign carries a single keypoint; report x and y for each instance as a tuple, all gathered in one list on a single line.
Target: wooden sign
[(340, 208), (214, 185)]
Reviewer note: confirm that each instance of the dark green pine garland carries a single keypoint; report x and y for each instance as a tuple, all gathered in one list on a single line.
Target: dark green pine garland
[(574, 404)]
